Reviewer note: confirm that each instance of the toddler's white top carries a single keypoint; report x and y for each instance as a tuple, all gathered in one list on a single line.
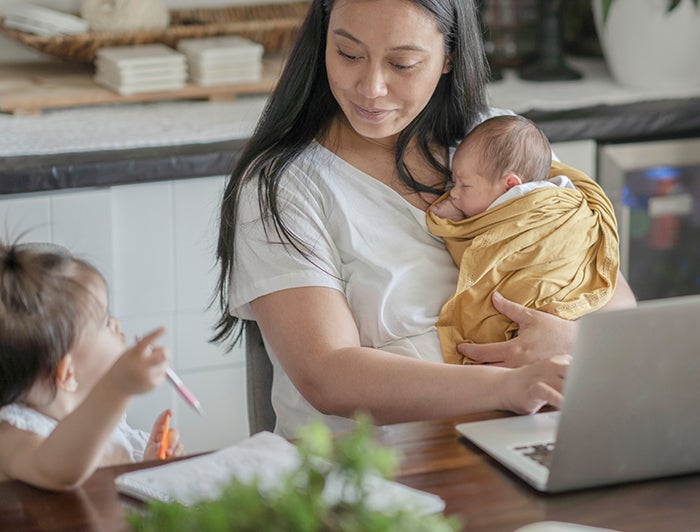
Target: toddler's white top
[(126, 444)]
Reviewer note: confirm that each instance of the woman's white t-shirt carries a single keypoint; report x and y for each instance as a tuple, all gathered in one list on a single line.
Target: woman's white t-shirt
[(366, 241)]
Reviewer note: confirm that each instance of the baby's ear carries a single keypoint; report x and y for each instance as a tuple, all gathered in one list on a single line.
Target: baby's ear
[(65, 374), (512, 180)]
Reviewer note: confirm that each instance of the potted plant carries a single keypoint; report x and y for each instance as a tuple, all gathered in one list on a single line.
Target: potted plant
[(650, 44)]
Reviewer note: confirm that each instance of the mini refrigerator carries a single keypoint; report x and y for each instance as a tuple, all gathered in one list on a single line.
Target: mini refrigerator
[(655, 188)]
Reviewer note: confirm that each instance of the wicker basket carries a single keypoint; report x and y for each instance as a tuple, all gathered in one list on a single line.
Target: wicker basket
[(272, 25)]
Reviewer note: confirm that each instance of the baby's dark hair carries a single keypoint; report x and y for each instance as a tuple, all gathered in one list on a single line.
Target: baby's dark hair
[(45, 302), (511, 144)]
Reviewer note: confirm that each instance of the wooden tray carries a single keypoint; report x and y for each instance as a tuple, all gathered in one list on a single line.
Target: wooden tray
[(273, 25), (29, 88)]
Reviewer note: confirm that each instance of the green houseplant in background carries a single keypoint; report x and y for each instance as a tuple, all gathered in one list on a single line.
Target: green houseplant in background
[(651, 44), (298, 505)]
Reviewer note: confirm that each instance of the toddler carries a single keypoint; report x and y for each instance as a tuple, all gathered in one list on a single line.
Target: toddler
[(66, 376), (539, 232)]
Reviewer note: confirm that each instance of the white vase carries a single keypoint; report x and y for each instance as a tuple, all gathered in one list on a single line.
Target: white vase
[(645, 47)]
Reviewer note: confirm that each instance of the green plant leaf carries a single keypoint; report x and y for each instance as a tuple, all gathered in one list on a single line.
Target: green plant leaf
[(606, 4)]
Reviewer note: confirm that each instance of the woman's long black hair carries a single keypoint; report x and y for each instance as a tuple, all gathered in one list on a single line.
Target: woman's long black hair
[(302, 107)]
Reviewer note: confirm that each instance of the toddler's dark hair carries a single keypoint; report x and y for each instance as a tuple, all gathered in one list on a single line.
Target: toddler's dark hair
[(44, 304)]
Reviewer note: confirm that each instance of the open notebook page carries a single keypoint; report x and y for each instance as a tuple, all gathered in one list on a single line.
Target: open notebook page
[(267, 456)]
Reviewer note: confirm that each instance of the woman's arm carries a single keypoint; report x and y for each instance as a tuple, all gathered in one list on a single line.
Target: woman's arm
[(314, 335), (527, 347), (623, 297)]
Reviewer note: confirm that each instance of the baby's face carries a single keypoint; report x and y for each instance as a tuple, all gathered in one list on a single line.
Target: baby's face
[(472, 192), (101, 343)]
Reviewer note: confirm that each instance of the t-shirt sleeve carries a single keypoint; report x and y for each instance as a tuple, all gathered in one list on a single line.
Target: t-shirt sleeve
[(265, 261)]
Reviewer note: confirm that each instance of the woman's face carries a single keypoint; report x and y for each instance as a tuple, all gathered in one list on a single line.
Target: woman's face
[(384, 59)]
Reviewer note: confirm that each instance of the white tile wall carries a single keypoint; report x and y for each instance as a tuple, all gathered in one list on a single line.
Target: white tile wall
[(27, 216), (142, 228), (193, 350), (222, 394), (196, 203), (82, 221)]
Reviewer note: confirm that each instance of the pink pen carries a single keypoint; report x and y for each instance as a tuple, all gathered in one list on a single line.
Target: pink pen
[(184, 391)]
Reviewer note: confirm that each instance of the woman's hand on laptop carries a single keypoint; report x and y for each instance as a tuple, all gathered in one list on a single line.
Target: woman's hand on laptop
[(529, 388), (540, 336)]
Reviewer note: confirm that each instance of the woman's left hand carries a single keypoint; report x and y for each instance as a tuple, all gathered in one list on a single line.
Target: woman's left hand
[(540, 336)]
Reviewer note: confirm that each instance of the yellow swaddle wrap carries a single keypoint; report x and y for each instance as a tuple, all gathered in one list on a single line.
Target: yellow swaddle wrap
[(553, 249)]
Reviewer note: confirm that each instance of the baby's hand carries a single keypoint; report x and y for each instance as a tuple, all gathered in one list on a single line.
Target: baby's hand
[(141, 368), (448, 210), (174, 448)]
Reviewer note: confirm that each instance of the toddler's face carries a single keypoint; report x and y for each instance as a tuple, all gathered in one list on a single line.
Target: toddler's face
[(101, 343), (472, 192)]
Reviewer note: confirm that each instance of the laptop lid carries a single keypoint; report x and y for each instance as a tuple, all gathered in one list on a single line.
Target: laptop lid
[(630, 403), (631, 397)]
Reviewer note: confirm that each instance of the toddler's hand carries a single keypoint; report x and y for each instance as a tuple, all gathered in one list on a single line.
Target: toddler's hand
[(175, 446), (142, 367)]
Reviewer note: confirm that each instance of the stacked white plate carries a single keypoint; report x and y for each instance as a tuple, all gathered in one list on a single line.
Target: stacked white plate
[(41, 20), (222, 60), (140, 68)]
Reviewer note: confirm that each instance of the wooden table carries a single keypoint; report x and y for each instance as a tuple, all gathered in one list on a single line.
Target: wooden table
[(487, 497)]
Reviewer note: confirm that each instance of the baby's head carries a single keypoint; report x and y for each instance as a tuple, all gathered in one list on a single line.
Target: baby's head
[(50, 302), (499, 153)]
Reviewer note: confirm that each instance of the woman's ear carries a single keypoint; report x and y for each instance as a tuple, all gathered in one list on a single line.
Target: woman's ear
[(447, 66), (65, 374)]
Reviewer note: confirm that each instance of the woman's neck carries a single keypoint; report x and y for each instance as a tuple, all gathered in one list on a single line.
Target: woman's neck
[(376, 158)]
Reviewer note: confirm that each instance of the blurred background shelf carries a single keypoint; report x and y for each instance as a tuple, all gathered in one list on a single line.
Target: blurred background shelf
[(30, 88), (272, 25)]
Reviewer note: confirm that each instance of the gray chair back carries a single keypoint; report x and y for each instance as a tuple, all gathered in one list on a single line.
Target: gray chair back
[(261, 415)]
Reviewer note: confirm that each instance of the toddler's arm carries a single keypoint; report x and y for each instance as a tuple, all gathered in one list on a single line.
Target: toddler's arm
[(73, 451)]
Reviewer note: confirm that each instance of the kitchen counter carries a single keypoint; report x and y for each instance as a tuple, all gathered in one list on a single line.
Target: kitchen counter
[(120, 144)]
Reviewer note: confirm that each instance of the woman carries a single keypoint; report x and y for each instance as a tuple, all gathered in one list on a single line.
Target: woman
[(323, 239)]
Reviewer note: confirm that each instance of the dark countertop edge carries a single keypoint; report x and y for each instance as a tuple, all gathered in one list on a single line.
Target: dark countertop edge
[(116, 167), (648, 120)]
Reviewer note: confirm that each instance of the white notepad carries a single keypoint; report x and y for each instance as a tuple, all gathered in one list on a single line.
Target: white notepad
[(141, 55), (231, 48), (266, 456)]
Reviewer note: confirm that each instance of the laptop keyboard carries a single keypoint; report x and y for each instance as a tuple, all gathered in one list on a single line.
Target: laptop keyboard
[(539, 452)]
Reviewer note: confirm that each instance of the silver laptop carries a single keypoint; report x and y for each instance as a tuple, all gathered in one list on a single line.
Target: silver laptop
[(631, 404)]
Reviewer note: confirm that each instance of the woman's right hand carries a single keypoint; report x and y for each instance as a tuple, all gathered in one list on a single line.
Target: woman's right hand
[(540, 336), (527, 389)]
